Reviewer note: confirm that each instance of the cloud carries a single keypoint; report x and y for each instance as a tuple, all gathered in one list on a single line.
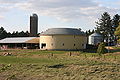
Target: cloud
[(7, 5), (61, 3), (67, 10), (87, 11), (11, 1), (1, 17), (3, 10)]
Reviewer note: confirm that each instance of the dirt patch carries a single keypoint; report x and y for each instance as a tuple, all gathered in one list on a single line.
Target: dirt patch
[(111, 48), (73, 53)]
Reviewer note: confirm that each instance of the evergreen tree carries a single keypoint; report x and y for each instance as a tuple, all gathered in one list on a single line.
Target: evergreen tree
[(115, 24), (89, 32), (3, 33), (13, 34), (117, 33), (104, 26), (27, 33), (93, 31), (115, 21), (9, 34)]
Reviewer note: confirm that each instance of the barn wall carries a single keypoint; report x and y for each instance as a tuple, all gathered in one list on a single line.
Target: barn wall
[(63, 42)]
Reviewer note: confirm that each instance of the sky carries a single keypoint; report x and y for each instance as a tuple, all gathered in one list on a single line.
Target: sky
[(15, 14)]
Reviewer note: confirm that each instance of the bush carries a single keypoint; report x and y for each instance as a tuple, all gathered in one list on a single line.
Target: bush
[(101, 48)]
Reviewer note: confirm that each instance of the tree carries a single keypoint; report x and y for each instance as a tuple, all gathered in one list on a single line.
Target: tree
[(115, 24), (9, 34), (104, 26), (23, 34), (101, 48), (27, 33), (3, 33), (19, 34), (13, 34), (115, 21), (89, 32), (117, 33)]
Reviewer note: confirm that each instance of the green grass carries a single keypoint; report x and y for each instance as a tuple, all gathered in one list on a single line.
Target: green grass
[(41, 65), (13, 59)]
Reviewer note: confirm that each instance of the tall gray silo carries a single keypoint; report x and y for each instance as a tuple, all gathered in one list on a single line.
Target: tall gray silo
[(95, 39), (33, 25)]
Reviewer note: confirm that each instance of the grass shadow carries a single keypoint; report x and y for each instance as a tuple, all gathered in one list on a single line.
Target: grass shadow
[(57, 66)]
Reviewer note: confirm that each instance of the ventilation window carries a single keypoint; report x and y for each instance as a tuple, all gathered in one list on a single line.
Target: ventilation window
[(74, 44)]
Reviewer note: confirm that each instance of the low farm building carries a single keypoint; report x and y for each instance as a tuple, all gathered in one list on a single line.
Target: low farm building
[(19, 42), (63, 39), (95, 39)]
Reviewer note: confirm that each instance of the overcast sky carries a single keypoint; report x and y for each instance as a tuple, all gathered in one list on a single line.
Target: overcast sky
[(14, 14)]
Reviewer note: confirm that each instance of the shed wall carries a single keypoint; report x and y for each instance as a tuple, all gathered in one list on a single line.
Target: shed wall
[(95, 40)]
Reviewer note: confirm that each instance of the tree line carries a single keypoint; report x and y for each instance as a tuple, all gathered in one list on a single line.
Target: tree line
[(106, 26), (4, 33)]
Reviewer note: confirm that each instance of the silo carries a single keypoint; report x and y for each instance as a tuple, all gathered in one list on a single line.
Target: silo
[(95, 39), (33, 25)]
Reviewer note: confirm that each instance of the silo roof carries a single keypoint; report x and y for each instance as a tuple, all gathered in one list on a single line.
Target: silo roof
[(63, 31), (34, 15), (96, 34)]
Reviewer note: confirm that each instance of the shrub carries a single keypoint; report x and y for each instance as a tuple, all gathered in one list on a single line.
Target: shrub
[(101, 48)]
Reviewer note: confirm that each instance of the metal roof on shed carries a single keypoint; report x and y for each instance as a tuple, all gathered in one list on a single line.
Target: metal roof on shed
[(17, 40), (63, 31), (96, 34)]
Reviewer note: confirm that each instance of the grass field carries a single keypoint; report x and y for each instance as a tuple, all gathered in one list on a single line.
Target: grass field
[(58, 65)]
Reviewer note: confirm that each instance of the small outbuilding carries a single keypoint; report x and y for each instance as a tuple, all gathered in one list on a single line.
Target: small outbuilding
[(95, 39), (63, 39), (19, 43)]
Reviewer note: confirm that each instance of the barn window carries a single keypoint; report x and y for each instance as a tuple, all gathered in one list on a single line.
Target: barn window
[(52, 36), (74, 44), (52, 44), (43, 45), (82, 44)]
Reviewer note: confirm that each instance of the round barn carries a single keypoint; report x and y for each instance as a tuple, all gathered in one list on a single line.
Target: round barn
[(63, 39)]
